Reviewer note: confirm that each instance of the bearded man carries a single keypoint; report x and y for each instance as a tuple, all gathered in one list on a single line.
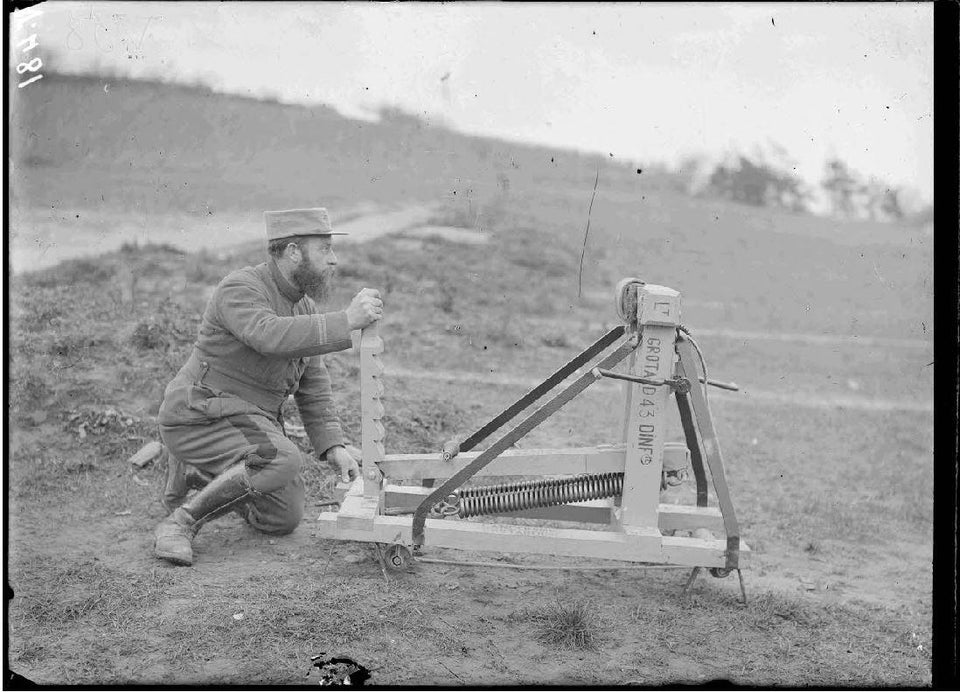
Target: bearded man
[(260, 340)]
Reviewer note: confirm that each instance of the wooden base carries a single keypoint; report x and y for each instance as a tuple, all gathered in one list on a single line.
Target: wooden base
[(359, 520)]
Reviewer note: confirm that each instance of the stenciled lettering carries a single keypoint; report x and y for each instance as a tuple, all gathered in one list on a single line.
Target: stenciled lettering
[(645, 435)]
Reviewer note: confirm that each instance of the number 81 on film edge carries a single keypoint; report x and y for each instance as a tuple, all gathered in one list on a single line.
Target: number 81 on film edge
[(26, 45)]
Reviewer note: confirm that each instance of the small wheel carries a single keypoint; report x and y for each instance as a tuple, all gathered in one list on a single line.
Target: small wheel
[(397, 557), (719, 572)]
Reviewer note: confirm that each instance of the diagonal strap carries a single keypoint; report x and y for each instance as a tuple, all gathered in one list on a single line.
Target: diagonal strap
[(537, 392), (505, 441)]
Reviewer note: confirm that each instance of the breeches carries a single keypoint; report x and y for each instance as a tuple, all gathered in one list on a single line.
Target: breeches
[(271, 459)]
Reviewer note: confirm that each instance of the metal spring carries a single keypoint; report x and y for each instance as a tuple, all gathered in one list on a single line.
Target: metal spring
[(515, 497)]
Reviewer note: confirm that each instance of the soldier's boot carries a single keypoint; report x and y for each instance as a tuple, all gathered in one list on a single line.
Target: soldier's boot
[(173, 537), (181, 478)]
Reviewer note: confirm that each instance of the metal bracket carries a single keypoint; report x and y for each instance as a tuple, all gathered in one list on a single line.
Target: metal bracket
[(680, 384)]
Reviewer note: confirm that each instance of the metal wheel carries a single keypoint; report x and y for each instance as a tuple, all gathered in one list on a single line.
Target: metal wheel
[(719, 572), (397, 557)]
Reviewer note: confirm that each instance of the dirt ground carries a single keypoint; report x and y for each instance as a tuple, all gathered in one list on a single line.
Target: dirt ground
[(835, 500)]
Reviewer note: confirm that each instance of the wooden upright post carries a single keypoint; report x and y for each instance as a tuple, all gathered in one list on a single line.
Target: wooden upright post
[(658, 310), (371, 409)]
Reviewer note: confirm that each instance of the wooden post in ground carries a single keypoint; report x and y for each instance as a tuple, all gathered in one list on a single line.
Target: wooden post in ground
[(371, 409), (658, 310)]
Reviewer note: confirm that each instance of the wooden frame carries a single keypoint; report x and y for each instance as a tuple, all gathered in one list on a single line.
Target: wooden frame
[(634, 527)]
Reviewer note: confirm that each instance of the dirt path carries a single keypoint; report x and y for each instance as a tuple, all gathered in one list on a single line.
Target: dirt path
[(42, 238), (370, 226)]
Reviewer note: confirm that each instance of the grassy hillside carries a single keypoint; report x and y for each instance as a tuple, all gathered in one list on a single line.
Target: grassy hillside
[(159, 148), (120, 153)]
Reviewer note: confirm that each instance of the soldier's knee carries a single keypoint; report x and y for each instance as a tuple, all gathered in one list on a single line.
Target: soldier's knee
[(275, 471), (285, 524), (277, 520)]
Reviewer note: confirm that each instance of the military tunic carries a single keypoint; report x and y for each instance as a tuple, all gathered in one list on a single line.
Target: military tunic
[(260, 340)]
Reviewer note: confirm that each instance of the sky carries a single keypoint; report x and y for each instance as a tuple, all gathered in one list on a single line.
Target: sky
[(650, 82)]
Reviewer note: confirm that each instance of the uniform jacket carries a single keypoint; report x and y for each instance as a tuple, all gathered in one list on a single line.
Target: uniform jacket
[(260, 340)]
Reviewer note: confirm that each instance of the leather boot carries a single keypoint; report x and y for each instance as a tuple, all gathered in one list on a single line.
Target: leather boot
[(181, 478), (174, 535)]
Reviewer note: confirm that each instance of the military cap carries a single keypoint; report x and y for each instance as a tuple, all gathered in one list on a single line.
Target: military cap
[(291, 222)]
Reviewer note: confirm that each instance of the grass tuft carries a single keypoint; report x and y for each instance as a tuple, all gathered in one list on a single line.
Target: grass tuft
[(568, 624), (148, 336)]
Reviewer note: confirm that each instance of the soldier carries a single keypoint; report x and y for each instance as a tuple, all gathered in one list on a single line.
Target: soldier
[(261, 339)]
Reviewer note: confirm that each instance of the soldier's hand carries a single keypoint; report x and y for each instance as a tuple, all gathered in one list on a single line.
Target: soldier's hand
[(354, 452), (365, 308), (349, 469)]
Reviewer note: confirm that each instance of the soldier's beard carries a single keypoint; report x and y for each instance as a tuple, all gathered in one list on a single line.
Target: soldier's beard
[(311, 280)]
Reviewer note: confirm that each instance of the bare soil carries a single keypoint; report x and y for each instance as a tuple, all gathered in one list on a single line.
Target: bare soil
[(834, 500)]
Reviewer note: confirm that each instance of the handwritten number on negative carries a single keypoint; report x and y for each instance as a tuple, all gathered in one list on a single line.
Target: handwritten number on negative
[(32, 40), (31, 66)]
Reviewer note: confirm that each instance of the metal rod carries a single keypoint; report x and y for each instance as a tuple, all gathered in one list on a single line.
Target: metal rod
[(730, 386), (690, 580), (599, 372)]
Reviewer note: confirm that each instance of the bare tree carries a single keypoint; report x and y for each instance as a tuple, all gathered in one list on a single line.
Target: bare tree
[(759, 184), (842, 186)]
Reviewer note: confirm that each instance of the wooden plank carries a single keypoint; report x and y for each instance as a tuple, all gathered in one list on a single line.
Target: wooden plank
[(688, 517), (587, 513), (700, 553), (357, 511), (522, 462), (637, 544), (150, 451), (511, 538), (371, 408), (402, 499), (658, 314)]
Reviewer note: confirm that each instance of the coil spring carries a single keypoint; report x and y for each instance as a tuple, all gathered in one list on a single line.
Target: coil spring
[(515, 497)]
